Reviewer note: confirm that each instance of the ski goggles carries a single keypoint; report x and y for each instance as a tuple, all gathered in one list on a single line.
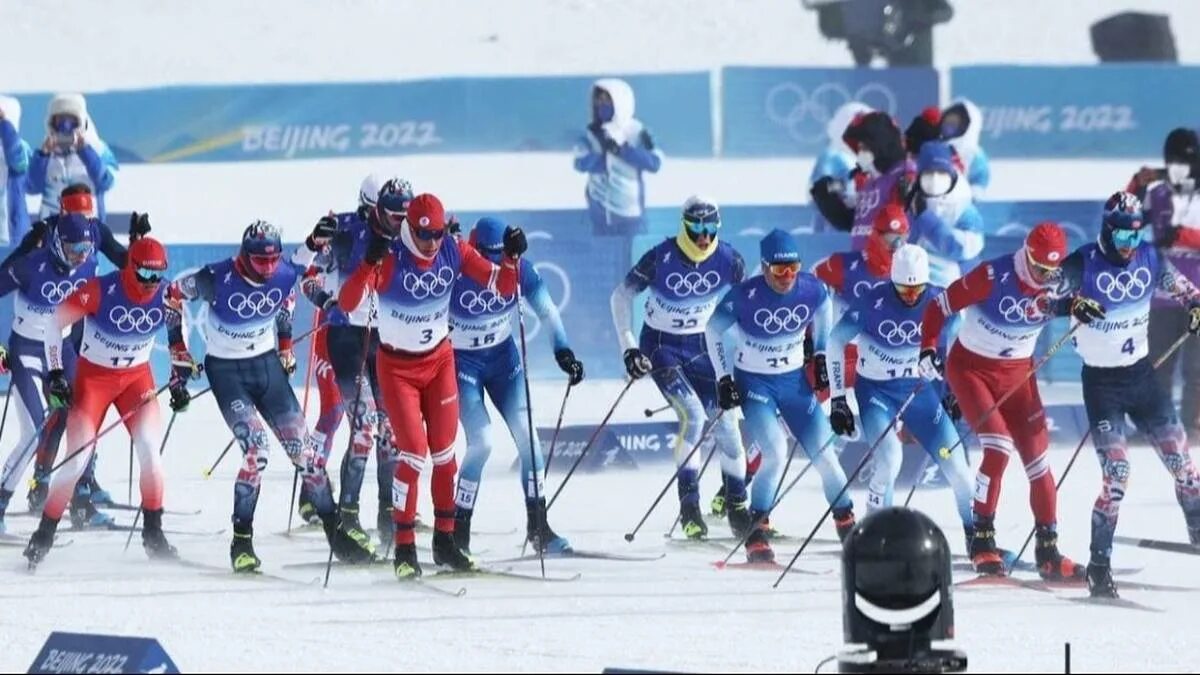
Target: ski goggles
[(909, 295), (1042, 272), (429, 233), (784, 271), (64, 124), (707, 224), (76, 252), (149, 276), (1126, 238)]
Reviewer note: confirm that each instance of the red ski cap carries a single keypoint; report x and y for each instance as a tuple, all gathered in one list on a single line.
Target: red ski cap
[(1046, 244)]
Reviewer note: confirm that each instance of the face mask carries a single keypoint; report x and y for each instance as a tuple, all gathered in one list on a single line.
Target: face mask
[(1178, 173), (865, 160), (604, 112), (935, 183)]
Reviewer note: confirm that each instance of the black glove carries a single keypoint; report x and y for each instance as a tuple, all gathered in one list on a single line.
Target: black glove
[(322, 232), (377, 249), (636, 363), (180, 396), (139, 226), (841, 418), (728, 395), (514, 242), (820, 373), (827, 187), (930, 365), (58, 389), (453, 227), (569, 365), (647, 139), (950, 403), (1086, 310)]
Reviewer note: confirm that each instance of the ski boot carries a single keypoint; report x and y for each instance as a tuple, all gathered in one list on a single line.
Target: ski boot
[(345, 548), (691, 522), (843, 520), (538, 532), (349, 525), (1194, 535), (462, 529), (100, 496), (241, 551), (985, 557), (41, 541), (1100, 579), (405, 565), (758, 546), (739, 518), (39, 490), (1052, 565), (84, 515), (307, 511), (5, 496), (153, 539), (445, 552), (385, 527), (717, 507)]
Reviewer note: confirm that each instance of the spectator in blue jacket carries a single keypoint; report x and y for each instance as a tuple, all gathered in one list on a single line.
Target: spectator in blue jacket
[(72, 153), (614, 152), (14, 217), (944, 219)]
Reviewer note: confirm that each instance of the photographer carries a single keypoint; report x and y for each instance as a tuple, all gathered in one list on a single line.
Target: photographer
[(72, 153)]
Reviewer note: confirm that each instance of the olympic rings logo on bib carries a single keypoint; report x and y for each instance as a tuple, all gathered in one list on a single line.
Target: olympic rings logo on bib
[(54, 293), (692, 283), (486, 301), (863, 287), (1124, 285), (256, 303), (428, 284), (135, 319), (1021, 310), (789, 319), (897, 334)]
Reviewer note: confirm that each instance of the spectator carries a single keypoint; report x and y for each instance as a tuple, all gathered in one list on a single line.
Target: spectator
[(961, 126), (614, 153), (837, 159), (72, 153), (945, 221), (14, 216)]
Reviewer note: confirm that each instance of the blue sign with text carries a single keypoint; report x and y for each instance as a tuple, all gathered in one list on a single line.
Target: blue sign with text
[(85, 653)]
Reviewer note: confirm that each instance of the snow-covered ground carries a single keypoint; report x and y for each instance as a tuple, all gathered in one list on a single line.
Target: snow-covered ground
[(677, 613)]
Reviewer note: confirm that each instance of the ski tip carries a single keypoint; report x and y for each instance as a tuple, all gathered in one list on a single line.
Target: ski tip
[(628, 536), (720, 564)]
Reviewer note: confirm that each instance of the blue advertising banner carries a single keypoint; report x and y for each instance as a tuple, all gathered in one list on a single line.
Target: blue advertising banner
[(774, 112), (297, 121), (1102, 111), (86, 653)]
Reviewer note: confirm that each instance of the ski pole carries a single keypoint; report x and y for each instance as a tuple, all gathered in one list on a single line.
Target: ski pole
[(595, 435), (651, 413), (699, 476), (7, 400), (557, 427), (542, 526)]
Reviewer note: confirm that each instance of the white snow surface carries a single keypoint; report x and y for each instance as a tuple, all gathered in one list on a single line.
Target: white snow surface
[(677, 613)]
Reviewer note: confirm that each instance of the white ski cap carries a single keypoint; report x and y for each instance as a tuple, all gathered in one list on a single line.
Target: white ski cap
[(368, 192), (910, 266)]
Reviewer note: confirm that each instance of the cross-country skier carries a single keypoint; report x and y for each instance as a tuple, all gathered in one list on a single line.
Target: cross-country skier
[(887, 325), (1113, 280), (249, 298), (772, 313), (1006, 302), (412, 274), (338, 243), (488, 358), (122, 312), (686, 275)]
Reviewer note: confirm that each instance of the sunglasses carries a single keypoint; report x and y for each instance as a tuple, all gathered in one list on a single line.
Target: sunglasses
[(1127, 238), (784, 270), (710, 225), (148, 276), (1043, 271), (910, 294), (78, 248), (428, 234)]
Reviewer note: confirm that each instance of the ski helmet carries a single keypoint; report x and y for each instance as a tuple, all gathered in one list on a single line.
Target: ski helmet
[(701, 215), (1121, 227), (368, 191), (72, 240), (261, 251), (391, 206), (488, 237)]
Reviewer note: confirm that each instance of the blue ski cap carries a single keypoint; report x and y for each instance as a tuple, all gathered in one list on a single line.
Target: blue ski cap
[(72, 242), (488, 237), (779, 247)]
